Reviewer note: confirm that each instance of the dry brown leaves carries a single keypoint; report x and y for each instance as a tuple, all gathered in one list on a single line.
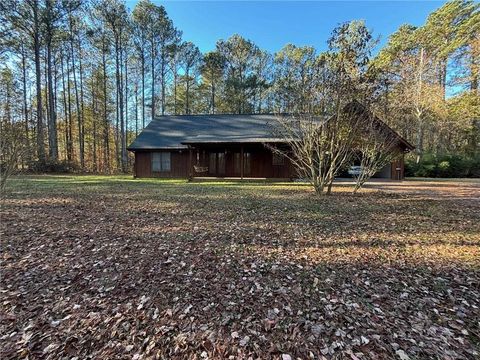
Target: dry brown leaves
[(102, 268)]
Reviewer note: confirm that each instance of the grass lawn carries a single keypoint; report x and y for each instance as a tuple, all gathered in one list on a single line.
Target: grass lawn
[(111, 267)]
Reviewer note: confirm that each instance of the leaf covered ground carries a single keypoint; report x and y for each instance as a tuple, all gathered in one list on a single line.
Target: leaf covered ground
[(111, 267)]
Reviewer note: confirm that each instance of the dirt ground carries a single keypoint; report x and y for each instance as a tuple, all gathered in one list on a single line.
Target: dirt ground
[(111, 267)]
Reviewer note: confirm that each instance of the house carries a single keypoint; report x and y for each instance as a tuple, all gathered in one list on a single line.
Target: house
[(187, 146)]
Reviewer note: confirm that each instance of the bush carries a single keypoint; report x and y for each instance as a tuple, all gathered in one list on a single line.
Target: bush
[(50, 166), (443, 166), (474, 167)]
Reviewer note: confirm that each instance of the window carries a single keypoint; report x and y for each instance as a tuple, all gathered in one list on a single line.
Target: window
[(278, 159), (161, 162)]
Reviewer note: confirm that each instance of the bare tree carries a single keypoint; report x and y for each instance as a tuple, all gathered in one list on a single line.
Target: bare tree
[(376, 147), (318, 147), (12, 149)]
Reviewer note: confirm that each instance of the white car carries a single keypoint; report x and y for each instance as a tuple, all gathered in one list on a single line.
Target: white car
[(355, 170)]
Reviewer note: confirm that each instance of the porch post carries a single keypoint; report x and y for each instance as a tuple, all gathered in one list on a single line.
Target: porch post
[(190, 166), (241, 162)]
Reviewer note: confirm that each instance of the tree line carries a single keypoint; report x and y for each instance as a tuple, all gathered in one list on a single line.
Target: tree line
[(81, 78)]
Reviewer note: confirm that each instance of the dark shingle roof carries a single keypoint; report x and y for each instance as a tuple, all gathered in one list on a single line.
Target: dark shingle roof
[(176, 131)]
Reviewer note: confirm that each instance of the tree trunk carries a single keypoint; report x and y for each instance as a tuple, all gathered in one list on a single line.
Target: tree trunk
[(70, 117), (443, 77), (175, 75), (418, 106), (117, 117), (162, 72), (52, 115), (187, 94), (25, 103), (125, 128), (106, 126), (240, 93), (475, 65), (46, 107), (136, 107), (77, 97), (67, 128), (52, 118), (143, 89), (152, 55), (94, 122), (118, 65), (213, 96), (81, 132), (329, 188), (38, 76), (55, 97)]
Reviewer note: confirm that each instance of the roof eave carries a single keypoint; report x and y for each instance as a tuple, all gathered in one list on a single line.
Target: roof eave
[(259, 141), (130, 148)]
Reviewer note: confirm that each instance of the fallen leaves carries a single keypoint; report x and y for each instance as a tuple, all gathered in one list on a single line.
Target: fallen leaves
[(402, 355), (174, 270)]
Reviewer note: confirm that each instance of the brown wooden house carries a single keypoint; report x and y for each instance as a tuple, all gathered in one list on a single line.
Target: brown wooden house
[(187, 146)]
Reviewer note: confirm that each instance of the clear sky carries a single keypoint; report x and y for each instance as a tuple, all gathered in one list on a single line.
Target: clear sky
[(272, 24)]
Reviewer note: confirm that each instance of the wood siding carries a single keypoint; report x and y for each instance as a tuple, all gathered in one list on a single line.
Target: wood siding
[(227, 163), (398, 169), (261, 163), (178, 165)]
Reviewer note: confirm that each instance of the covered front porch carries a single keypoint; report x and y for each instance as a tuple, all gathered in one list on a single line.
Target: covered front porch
[(236, 160)]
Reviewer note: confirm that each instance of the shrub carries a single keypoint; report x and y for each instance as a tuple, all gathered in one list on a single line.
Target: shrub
[(50, 166), (474, 167), (445, 165)]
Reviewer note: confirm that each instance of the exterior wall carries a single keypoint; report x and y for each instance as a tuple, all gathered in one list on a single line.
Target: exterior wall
[(385, 173), (142, 166), (261, 163), (394, 171), (178, 165), (398, 169), (262, 166)]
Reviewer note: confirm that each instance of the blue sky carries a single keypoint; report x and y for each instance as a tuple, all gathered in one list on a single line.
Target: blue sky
[(272, 24)]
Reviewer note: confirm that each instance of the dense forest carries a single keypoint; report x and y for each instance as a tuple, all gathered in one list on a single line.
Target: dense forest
[(80, 79)]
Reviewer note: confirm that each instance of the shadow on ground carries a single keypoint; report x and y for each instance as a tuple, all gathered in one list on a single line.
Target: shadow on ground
[(114, 267)]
